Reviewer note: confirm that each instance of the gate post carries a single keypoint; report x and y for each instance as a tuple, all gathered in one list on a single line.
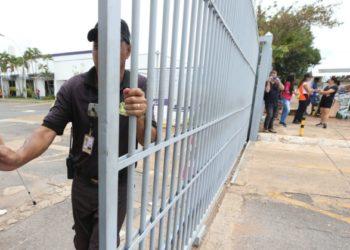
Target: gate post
[(108, 120), (263, 71)]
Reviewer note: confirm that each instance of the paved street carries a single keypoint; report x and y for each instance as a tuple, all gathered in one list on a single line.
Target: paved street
[(290, 193), (45, 176)]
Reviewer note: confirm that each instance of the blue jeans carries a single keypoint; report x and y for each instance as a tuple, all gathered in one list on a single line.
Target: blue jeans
[(286, 110)]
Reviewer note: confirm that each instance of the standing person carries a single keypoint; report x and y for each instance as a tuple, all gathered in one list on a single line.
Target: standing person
[(304, 92), (287, 94), (37, 93), (314, 98), (327, 99), (72, 105), (272, 91)]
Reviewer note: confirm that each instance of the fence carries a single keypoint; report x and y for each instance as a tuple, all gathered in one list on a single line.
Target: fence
[(174, 182)]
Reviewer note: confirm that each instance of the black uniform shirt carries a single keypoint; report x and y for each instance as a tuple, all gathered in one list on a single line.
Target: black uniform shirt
[(71, 105)]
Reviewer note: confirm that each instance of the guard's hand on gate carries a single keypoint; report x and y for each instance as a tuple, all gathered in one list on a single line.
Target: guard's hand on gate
[(135, 102), (9, 159)]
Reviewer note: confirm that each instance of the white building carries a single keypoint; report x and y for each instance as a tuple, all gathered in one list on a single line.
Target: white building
[(66, 65)]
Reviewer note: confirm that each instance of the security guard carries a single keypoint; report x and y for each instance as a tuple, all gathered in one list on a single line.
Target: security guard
[(73, 104)]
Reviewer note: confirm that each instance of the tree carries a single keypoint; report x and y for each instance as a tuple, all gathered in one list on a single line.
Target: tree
[(293, 49), (6, 60), (28, 61)]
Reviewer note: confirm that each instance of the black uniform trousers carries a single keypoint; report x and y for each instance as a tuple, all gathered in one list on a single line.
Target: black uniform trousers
[(85, 212)]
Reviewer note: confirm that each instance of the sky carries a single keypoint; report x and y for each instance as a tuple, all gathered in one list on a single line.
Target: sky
[(56, 26)]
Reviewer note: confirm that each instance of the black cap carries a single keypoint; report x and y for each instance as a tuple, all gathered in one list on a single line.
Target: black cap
[(92, 36)]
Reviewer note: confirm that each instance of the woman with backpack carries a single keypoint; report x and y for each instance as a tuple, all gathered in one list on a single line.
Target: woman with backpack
[(287, 94), (304, 92)]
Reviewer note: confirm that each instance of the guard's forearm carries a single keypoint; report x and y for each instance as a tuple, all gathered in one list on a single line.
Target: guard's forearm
[(35, 145)]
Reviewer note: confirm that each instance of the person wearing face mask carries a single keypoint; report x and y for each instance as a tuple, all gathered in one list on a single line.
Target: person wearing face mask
[(272, 92)]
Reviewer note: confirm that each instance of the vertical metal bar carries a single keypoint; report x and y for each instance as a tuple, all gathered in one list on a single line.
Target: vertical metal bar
[(189, 90), (150, 86), (178, 119), (132, 119), (206, 116), (207, 91), (174, 44), (195, 90), (108, 119), (202, 158), (207, 52), (163, 62), (198, 81)]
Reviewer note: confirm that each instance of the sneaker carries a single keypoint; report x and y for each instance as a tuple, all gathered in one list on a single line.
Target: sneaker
[(319, 124), (283, 124), (272, 131), (325, 125)]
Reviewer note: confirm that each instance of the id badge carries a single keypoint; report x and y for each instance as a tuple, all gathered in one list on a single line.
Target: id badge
[(88, 144)]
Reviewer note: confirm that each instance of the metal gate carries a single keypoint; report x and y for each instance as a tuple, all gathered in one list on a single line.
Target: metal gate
[(173, 182)]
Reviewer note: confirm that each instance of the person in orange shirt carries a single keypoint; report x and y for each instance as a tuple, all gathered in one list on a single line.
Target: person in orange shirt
[(304, 91)]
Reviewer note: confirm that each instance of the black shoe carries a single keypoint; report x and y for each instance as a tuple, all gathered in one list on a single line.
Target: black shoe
[(319, 124), (272, 131), (324, 125)]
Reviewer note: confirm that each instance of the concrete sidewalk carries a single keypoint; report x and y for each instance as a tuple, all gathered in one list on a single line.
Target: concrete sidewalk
[(291, 193), (49, 228)]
